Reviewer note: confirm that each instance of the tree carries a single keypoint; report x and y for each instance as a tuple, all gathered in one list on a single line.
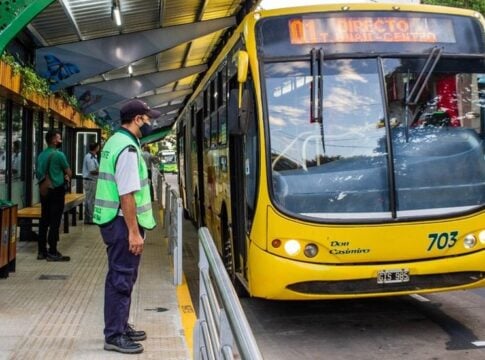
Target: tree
[(477, 5)]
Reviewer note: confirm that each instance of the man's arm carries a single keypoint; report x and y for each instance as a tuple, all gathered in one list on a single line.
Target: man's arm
[(128, 181), (68, 173), (93, 167), (65, 166), (128, 206)]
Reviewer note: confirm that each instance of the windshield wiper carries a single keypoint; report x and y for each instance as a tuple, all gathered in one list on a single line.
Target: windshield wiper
[(413, 96), (317, 90), (428, 68)]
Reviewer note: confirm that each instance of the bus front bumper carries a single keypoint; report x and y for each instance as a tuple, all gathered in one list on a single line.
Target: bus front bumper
[(276, 277)]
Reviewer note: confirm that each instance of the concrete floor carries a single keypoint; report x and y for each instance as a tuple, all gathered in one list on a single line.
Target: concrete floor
[(54, 310)]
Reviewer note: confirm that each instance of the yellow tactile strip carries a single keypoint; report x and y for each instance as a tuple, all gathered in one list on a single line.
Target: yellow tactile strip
[(63, 319), (187, 313)]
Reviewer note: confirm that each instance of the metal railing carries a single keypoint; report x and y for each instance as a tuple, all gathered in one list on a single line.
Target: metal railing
[(218, 327), (172, 223)]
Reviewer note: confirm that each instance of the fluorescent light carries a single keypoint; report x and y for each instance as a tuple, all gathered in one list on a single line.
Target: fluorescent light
[(117, 15), (130, 69)]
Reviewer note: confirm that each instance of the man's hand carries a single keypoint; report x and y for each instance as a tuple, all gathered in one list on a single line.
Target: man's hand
[(135, 243), (128, 206)]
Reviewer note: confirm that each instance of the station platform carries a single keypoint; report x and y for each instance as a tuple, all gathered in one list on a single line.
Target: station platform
[(55, 309)]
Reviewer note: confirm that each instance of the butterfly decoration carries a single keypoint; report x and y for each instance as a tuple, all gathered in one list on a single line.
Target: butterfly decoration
[(57, 70), (87, 99), (104, 117)]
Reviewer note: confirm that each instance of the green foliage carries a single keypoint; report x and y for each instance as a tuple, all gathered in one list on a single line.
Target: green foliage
[(70, 99), (31, 82), (477, 5), (10, 60), (108, 130)]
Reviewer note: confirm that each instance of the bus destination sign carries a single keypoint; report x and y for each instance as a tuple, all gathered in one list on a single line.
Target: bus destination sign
[(371, 29)]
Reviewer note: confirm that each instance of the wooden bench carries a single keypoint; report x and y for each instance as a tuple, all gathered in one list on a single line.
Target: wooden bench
[(27, 215)]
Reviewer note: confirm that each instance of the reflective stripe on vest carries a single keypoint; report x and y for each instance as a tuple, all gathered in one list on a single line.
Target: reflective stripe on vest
[(107, 201)]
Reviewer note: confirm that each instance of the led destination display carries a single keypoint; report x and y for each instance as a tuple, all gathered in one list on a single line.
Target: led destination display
[(371, 29)]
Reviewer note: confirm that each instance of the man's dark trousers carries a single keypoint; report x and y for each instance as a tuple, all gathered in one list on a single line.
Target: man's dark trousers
[(50, 219), (121, 277)]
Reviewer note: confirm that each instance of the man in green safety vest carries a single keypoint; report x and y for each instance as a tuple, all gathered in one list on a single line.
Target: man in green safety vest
[(123, 210)]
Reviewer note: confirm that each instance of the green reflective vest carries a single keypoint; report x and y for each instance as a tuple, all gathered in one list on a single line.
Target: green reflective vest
[(107, 201)]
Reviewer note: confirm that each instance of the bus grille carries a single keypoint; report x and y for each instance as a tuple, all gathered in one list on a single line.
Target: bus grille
[(366, 286)]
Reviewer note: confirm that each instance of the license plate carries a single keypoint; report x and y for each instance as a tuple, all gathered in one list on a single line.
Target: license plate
[(392, 276)]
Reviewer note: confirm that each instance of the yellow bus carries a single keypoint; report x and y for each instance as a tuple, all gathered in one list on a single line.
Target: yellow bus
[(337, 151)]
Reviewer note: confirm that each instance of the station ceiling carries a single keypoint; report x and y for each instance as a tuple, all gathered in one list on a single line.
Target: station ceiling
[(168, 45)]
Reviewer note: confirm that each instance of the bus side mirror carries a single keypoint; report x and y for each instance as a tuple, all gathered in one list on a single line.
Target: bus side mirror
[(242, 66)]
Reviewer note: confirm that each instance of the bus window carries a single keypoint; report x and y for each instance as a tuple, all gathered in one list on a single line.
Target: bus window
[(206, 102), (220, 89), (214, 130), (213, 95), (304, 152), (438, 137), (207, 129)]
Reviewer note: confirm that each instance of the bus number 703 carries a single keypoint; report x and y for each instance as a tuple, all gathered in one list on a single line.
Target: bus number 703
[(442, 240)]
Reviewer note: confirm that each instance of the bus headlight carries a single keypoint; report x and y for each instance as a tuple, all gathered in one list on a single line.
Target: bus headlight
[(481, 236), (292, 247), (469, 241), (311, 250)]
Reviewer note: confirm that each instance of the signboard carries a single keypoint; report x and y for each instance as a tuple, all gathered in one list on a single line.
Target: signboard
[(370, 29)]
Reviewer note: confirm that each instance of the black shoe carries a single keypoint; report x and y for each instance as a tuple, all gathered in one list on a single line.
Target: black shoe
[(135, 335), (123, 344), (57, 257), (41, 256)]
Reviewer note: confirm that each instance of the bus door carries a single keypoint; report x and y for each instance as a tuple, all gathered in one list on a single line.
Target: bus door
[(243, 169), (237, 180)]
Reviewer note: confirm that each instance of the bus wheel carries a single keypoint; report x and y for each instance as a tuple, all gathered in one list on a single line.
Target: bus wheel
[(228, 259)]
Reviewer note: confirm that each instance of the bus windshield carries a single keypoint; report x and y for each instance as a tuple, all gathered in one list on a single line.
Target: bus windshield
[(372, 154), (168, 157)]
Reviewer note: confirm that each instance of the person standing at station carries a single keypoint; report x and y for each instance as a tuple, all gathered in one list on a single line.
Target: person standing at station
[(16, 160), (53, 162), (123, 210), (90, 175)]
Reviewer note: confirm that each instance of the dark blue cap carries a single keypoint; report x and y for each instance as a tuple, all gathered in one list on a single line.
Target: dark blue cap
[(136, 107)]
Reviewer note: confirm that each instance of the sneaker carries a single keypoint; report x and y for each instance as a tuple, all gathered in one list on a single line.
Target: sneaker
[(57, 257), (41, 256), (123, 344), (135, 335)]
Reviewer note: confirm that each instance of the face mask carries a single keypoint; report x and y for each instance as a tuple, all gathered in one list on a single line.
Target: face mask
[(146, 129)]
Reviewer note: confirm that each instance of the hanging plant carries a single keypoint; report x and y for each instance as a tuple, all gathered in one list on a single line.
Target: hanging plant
[(10, 60), (70, 99), (33, 83)]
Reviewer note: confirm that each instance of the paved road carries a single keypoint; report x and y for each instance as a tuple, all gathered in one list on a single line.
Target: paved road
[(439, 326)]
